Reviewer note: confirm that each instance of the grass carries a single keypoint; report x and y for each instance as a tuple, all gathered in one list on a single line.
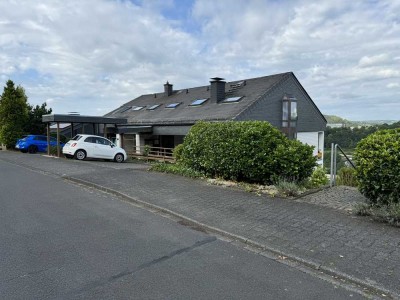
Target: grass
[(386, 213)]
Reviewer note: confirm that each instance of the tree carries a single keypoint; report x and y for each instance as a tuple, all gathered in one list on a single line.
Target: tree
[(13, 113), (35, 124)]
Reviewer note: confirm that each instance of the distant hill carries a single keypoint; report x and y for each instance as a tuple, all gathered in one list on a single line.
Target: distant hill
[(332, 119), (336, 120)]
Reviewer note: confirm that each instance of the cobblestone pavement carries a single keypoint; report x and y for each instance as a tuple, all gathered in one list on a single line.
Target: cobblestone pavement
[(347, 244)]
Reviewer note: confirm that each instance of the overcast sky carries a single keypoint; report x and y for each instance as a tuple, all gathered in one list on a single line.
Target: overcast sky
[(91, 56)]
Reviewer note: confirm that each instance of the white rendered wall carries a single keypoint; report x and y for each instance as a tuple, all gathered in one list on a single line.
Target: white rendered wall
[(315, 139)]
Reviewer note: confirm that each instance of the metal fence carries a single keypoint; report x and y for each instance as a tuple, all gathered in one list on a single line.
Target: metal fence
[(335, 148)]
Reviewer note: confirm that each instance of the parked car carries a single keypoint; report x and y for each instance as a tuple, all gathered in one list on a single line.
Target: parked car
[(92, 146), (35, 143)]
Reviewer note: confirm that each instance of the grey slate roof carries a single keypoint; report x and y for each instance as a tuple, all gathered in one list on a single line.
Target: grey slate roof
[(250, 89)]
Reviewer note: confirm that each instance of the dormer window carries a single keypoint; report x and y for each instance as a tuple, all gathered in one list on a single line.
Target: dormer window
[(289, 116)]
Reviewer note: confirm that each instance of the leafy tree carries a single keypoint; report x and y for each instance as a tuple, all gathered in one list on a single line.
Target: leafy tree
[(348, 137), (13, 113), (35, 124)]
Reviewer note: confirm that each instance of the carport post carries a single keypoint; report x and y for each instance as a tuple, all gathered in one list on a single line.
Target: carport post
[(58, 139), (48, 138), (72, 130)]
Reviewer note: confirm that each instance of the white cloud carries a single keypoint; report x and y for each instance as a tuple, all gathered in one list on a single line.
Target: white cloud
[(367, 61), (393, 85)]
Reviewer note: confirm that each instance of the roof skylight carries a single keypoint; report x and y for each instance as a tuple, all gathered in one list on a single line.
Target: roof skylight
[(137, 107), (232, 99), (124, 109), (153, 107), (172, 105), (198, 102)]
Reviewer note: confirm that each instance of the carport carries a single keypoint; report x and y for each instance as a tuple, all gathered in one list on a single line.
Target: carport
[(78, 119)]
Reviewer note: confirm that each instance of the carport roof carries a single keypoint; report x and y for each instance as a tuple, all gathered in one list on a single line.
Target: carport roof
[(82, 119)]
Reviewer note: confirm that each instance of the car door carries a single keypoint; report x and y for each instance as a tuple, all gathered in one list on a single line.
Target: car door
[(103, 149), (88, 144), (41, 143)]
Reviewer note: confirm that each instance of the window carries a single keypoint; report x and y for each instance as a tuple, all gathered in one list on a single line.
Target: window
[(198, 102), (153, 107), (76, 138), (89, 139), (137, 107), (232, 99), (289, 116), (124, 109), (172, 105), (101, 141)]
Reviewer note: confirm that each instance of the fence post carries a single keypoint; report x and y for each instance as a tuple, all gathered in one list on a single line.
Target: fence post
[(331, 175)]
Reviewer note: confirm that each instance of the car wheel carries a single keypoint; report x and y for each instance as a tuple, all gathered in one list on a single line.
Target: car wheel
[(80, 154), (119, 158), (32, 149)]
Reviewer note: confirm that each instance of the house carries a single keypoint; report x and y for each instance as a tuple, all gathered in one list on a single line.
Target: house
[(163, 119)]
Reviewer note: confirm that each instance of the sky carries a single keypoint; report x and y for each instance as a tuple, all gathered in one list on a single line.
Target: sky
[(92, 56)]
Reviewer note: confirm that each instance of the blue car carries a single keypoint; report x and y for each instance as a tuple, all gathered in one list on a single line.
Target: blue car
[(35, 143)]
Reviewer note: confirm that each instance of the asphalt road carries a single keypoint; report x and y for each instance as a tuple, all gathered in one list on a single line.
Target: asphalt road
[(63, 241)]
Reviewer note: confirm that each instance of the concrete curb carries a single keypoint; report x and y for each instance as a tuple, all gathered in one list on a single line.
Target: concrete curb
[(363, 287)]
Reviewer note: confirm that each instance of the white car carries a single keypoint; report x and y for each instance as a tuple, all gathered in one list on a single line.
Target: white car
[(85, 145)]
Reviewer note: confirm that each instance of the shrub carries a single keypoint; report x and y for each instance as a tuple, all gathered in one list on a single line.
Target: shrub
[(293, 161), (177, 152), (386, 213), (53, 150), (252, 151), (288, 188), (347, 176), (146, 150), (318, 178), (378, 166)]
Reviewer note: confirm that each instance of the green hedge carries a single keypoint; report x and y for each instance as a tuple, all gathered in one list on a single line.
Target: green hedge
[(378, 166), (252, 151)]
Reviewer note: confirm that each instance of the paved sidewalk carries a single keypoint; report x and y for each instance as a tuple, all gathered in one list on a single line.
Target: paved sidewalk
[(330, 238)]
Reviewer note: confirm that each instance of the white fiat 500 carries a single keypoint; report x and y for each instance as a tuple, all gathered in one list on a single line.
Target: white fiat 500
[(92, 146)]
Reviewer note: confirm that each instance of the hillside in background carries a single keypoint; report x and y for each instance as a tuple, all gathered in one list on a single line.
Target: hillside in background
[(332, 119)]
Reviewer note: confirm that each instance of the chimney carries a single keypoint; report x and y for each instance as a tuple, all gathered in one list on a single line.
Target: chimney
[(217, 93), (168, 89)]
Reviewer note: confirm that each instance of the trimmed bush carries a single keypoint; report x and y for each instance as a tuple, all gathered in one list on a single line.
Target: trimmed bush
[(252, 151), (378, 166)]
